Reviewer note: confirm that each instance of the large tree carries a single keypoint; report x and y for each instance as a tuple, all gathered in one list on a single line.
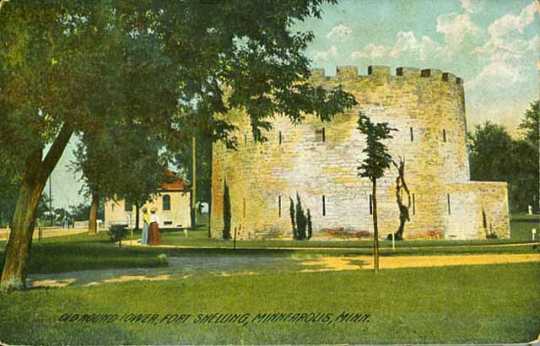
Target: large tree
[(121, 162), (490, 153), (71, 66), (496, 156), (528, 149)]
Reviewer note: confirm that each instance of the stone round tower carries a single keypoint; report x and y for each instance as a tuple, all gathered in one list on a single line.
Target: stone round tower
[(318, 162)]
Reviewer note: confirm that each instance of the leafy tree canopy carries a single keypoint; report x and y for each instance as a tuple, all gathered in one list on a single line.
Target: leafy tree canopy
[(490, 146), (496, 156), (73, 66), (121, 162)]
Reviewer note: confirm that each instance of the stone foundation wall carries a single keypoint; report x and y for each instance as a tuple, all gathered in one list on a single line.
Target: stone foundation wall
[(318, 161)]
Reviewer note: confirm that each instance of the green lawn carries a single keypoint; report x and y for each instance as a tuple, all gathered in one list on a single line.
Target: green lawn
[(82, 252), (481, 304)]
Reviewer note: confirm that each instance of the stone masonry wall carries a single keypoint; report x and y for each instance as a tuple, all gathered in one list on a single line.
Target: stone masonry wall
[(425, 106)]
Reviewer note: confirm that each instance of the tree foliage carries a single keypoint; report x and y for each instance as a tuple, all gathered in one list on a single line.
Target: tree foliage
[(377, 159), (495, 156), (9, 188), (489, 153), (76, 66), (121, 163)]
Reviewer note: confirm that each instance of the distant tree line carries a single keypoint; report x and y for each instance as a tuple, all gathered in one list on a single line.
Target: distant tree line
[(496, 156)]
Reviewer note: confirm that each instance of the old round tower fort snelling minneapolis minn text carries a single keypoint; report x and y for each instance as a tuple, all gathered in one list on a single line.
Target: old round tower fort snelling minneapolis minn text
[(316, 162)]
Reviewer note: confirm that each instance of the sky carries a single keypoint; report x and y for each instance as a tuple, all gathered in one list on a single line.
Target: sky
[(493, 45)]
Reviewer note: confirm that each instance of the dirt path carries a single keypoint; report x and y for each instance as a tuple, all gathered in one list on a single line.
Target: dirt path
[(185, 267), (333, 263)]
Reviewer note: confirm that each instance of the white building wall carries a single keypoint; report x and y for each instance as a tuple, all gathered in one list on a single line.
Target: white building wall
[(177, 217)]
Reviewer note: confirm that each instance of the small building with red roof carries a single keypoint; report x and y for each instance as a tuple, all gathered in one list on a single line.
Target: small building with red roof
[(171, 204)]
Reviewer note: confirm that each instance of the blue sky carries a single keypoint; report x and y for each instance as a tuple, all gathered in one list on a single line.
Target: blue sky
[(493, 45)]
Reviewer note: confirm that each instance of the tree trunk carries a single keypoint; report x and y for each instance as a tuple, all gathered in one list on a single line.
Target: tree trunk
[(401, 186), (193, 183), (92, 218), (20, 237), (36, 172), (137, 207), (211, 188), (375, 229)]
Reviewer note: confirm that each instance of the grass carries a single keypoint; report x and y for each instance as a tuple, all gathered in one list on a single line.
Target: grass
[(84, 252), (480, 304), (464, 304)]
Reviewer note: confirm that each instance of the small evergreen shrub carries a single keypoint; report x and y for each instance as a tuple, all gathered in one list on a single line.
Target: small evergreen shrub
[(293, 223), (301, 221), (226, 213), (309, 225), (302, 227)]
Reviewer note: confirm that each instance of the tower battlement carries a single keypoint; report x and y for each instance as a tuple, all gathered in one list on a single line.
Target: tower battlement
[(351, 72)]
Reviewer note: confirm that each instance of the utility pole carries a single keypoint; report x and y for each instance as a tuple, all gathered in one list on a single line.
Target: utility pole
[(50, 200), (193, 182)]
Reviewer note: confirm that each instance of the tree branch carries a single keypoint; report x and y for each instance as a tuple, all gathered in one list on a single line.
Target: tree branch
[(56, 150)]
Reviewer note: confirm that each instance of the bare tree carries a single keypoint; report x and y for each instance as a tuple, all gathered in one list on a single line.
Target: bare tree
[(404, 204)]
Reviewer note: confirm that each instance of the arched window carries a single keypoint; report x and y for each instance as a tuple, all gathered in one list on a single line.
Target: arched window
[(166, 202)]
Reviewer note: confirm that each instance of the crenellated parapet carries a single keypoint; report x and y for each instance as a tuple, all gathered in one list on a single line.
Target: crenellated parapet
[(348, 73)]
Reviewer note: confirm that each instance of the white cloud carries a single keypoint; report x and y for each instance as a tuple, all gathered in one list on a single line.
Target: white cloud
[(507, 51), (534, 44), (325, 55), (455, 28), (495, 74), (406, 45), (371, 51), (339, 32), (511, 23), (470, 6)]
